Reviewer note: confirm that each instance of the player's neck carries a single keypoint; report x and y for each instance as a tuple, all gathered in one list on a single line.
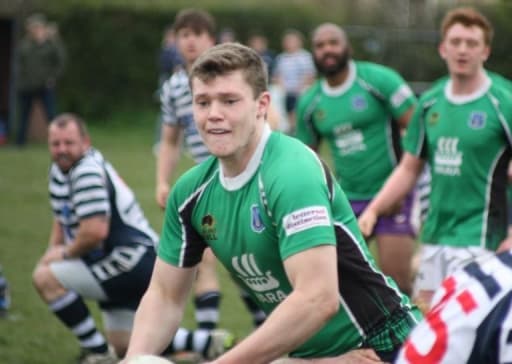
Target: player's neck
[(465, 85), (236, 163), (338, 79)]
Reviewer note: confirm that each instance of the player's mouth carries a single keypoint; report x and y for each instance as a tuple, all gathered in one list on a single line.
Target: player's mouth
[(218, 131), (329, 60)]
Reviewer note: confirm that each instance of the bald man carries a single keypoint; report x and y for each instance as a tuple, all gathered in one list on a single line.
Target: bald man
[(359, 108)]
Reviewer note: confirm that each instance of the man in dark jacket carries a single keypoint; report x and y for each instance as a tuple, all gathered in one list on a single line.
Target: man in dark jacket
[(41, 61)]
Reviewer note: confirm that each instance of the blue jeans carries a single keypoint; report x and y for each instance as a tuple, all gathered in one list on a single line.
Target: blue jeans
[(27, 98)]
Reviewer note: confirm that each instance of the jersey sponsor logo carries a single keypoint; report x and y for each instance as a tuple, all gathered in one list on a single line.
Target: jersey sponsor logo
[(447, 157), (403, 93), (249, 272), (348, 140), (208, 229), (359, 103), (477, 119), (306, 218), (256, 221)]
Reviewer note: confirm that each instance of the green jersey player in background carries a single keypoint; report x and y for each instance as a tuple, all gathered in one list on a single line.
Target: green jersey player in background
[(358, 108), (461, 129), (281, 225)]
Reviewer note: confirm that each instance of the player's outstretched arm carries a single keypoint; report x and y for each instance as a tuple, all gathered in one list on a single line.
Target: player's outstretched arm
[(313, 301), (167, 160), (397, 186), (161, 309)]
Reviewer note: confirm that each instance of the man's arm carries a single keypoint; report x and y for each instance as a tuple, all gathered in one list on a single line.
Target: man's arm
[(313, 301), (92, 231), (161, 309), (168, 156), (56, 235), (55, 243), (397, 186), (404, 119)]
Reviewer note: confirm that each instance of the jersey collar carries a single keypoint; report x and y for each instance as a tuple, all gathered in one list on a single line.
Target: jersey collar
[(341, 89), (237, 182), (464, 99)]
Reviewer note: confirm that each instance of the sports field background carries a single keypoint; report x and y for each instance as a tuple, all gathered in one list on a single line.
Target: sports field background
[(31, 334)]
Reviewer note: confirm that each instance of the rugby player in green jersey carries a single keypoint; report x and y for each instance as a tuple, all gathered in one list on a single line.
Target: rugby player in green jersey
[(278, 221), (358, 108), (462, 130)]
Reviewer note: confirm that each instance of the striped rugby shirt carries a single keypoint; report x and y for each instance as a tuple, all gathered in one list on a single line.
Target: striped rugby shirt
[(92, 187), (471, 318), (176, 110)]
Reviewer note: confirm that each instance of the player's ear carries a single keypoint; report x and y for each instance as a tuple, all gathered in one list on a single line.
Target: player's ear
[(442, 51), (263, 104)]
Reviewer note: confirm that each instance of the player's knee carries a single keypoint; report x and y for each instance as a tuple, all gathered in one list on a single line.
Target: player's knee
[(38, 277), (45, 282)]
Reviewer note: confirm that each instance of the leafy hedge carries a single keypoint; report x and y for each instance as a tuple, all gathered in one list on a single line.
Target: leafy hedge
[(113, 50)]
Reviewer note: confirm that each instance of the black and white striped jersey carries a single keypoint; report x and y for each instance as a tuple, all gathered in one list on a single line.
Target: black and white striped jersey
[(92, 187), (471, 318), (176, 110)]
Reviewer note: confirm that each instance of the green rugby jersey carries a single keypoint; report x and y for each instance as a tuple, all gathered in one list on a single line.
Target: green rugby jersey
[(285, 202), (357, 120), (467, 142)]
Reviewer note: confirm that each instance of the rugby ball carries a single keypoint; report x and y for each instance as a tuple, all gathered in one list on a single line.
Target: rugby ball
[(148, 359)]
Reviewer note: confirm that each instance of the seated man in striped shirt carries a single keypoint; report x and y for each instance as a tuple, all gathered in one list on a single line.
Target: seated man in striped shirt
[(101, 247)]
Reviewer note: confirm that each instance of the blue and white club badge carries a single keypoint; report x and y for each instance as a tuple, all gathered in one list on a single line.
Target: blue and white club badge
[(359, 103), (256, 221), (477, 119)]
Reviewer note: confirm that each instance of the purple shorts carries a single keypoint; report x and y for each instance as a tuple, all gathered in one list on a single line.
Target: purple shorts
[(398, 224)]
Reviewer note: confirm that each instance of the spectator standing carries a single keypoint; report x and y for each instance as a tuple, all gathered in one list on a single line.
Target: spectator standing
[(169, 58), (294, 71), (226, 35), (41, 62), (359, 109), (461, 128), (259, 43)]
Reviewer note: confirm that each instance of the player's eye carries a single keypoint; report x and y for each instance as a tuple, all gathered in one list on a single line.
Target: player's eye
[(202, 103), (231, 101)]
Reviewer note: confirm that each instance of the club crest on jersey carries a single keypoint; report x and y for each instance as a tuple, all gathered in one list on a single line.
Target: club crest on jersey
[(359, 103), (433, 118), (256, 221), (208, 229), (477, 119), (319, 115)]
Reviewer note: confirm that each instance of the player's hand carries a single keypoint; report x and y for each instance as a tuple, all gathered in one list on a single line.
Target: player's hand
[(367, 221), (360, 356), (505, 245), (53, 254), (162, 192)]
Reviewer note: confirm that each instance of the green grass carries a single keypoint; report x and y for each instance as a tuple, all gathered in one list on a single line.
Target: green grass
[(31, 334)]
